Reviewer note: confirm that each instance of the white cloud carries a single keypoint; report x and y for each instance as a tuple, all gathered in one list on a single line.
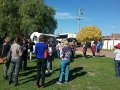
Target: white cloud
[(112, 26), (65, 15)]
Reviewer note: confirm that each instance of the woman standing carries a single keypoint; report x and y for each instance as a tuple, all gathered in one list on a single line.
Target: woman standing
[(84, 50), (65, 62), (16, 54), (117, 60), (41, 61), (5, 50), (49, 60), (93, 48)]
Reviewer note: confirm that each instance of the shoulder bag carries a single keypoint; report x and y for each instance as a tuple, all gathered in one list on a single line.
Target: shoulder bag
[(3, 60)]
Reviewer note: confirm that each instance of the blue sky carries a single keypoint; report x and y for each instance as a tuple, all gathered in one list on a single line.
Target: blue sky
[(105, 14)]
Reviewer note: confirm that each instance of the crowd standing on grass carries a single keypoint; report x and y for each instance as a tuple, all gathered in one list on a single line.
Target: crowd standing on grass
[(20, 51)]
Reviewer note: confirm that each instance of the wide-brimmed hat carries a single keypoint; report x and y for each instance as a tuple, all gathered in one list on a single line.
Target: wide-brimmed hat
[(118, 45)]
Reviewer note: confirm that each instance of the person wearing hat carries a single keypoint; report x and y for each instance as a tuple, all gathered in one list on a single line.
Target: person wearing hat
[(117, 60)]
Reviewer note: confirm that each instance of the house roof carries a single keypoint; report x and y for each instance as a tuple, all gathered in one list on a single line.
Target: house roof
[(112, 36)]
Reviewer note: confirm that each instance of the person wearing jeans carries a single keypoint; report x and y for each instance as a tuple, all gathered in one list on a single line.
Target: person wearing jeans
[(4, 54), (65, 62), (117, 60), (16, 54), (49, 60), (15, 64)]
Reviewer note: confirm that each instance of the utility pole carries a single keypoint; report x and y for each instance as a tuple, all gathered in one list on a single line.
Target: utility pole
[(79, 13)]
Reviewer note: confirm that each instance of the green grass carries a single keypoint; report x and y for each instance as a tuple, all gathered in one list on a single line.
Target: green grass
[(91, 74)]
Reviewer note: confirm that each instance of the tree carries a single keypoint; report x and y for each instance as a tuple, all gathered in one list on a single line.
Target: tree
[(9, 17), (37, 17), (89, 33), (18, 17)]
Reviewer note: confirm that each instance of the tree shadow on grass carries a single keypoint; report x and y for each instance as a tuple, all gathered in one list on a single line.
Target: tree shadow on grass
[(53, 81), (54, 71), (74, 73), (102, 56), (34, 77), (28, 71), (89, 56), (28, 79), (78, 56)]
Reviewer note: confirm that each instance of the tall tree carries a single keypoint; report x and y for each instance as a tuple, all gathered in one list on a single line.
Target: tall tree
[(89, 33), (37, 17), (9, 17), (18, 17)]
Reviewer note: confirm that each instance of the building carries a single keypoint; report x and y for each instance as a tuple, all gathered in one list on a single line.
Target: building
[(110, 41)]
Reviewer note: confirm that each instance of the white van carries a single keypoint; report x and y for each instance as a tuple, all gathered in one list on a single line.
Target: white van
[(49, 37)]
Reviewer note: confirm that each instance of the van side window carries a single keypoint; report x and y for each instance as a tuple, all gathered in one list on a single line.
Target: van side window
[(35, 38)]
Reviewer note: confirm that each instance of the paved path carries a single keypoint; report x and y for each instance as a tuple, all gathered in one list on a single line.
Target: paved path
[(106, 53)]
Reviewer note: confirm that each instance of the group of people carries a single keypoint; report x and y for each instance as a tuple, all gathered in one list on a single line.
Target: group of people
[(95, 47), (65, 51), (16, 54), (20, 49)]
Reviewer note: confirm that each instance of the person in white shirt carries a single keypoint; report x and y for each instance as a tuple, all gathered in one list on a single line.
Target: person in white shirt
[(57, 49), (117, 60), (49, 61)]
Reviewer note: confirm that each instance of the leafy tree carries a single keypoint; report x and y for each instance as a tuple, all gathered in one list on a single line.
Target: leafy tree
[(89, 33), (37, 17), (9, 17), (18, 17)]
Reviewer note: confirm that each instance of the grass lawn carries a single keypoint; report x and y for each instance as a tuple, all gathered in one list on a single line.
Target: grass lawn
[(91, 74)]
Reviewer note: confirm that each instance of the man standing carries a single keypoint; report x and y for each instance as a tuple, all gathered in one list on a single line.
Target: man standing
[(99, 47)]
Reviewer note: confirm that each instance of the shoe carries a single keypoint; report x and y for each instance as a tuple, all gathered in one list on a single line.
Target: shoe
[(51, 71), (42, 86), (37, 86), (6, 78), (66, 81), (58, 82), (46, 72), (9, 82), (16, 84)]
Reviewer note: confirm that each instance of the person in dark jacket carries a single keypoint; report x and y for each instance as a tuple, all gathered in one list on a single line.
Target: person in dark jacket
[(25, 54), (30, 49), (5, 50)]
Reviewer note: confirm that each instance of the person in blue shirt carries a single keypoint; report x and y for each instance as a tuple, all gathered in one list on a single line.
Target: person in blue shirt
[(99, 47), (41, 61)]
